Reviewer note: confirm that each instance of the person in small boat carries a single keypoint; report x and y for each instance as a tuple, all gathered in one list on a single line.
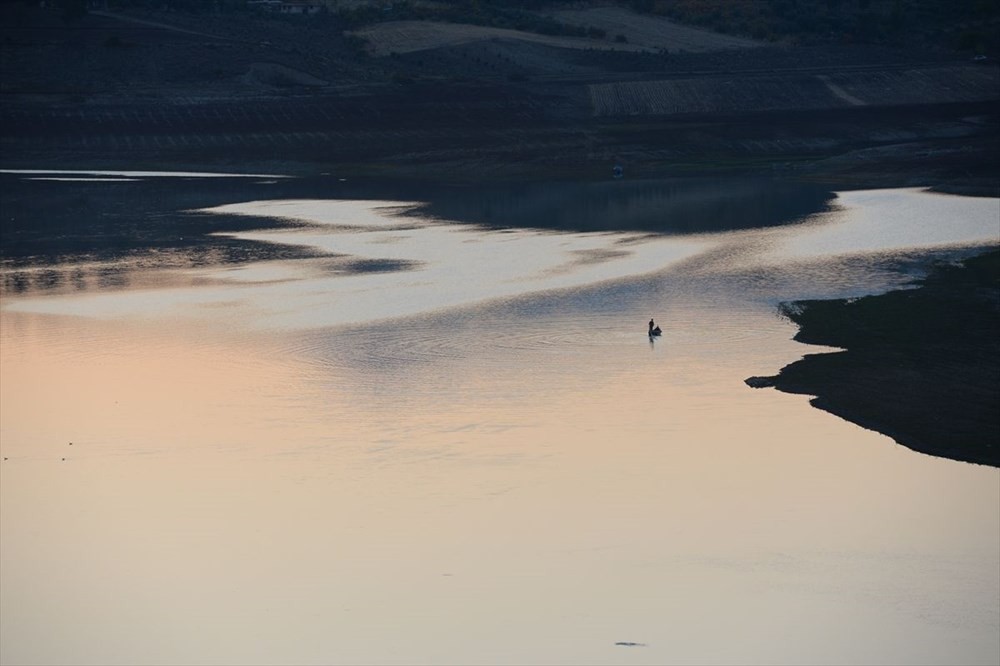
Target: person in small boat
[(653, 328)]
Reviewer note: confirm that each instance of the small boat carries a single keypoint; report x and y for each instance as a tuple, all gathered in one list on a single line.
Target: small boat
[(655, 331)]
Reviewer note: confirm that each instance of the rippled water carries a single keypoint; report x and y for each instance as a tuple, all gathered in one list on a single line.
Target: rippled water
[(388, 435)]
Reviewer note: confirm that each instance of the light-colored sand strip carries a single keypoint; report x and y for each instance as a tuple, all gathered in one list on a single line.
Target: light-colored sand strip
[(841, 93), (410, 36), (139, 174), (156, 24)]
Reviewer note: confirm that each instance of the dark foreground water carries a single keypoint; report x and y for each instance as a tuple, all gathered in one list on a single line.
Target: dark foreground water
[(360, 425)]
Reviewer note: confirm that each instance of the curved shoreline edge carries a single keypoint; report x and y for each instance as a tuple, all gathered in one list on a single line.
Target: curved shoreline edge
[(921, 366)]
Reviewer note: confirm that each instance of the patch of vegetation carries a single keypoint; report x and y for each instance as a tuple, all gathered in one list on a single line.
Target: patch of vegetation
[(116, 42)]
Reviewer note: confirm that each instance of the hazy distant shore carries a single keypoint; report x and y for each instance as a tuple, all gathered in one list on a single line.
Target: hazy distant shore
[(980, 176), (920, 365)]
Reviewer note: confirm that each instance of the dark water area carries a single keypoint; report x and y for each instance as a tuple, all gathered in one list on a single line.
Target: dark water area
[(49, 220), (673, 206), (84, 232)]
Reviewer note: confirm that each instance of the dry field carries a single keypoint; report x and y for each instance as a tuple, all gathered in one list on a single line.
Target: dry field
[(643, 34), (409, 36), (735, 94), (653, 32)]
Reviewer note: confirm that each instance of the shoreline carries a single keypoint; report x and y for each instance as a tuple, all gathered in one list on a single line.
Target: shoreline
[(469, 173)]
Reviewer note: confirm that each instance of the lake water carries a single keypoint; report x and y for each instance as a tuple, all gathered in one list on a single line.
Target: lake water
[(417, 425)]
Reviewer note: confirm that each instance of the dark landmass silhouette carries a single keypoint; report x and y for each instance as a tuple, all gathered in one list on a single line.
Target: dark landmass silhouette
[(152, 89), (919, 365)]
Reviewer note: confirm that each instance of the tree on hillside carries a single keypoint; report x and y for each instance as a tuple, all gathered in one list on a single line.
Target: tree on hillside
[(72, 10)]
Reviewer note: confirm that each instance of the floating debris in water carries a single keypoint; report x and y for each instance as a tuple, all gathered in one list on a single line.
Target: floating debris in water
[(630, 644)]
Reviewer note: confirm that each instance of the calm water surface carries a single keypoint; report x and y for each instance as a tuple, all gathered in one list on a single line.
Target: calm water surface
[(433, 430)]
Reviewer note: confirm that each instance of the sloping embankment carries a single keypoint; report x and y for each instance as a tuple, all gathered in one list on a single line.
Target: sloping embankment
[(791, 90)]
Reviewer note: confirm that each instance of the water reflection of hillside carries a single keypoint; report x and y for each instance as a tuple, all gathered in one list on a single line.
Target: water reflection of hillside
[(65, 236), (659, 206)]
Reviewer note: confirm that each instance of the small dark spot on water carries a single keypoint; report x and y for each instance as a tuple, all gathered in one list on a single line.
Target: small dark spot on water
[(630, 644)]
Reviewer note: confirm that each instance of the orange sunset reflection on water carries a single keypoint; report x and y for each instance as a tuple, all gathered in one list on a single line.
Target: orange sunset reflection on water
[(518, 478)]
